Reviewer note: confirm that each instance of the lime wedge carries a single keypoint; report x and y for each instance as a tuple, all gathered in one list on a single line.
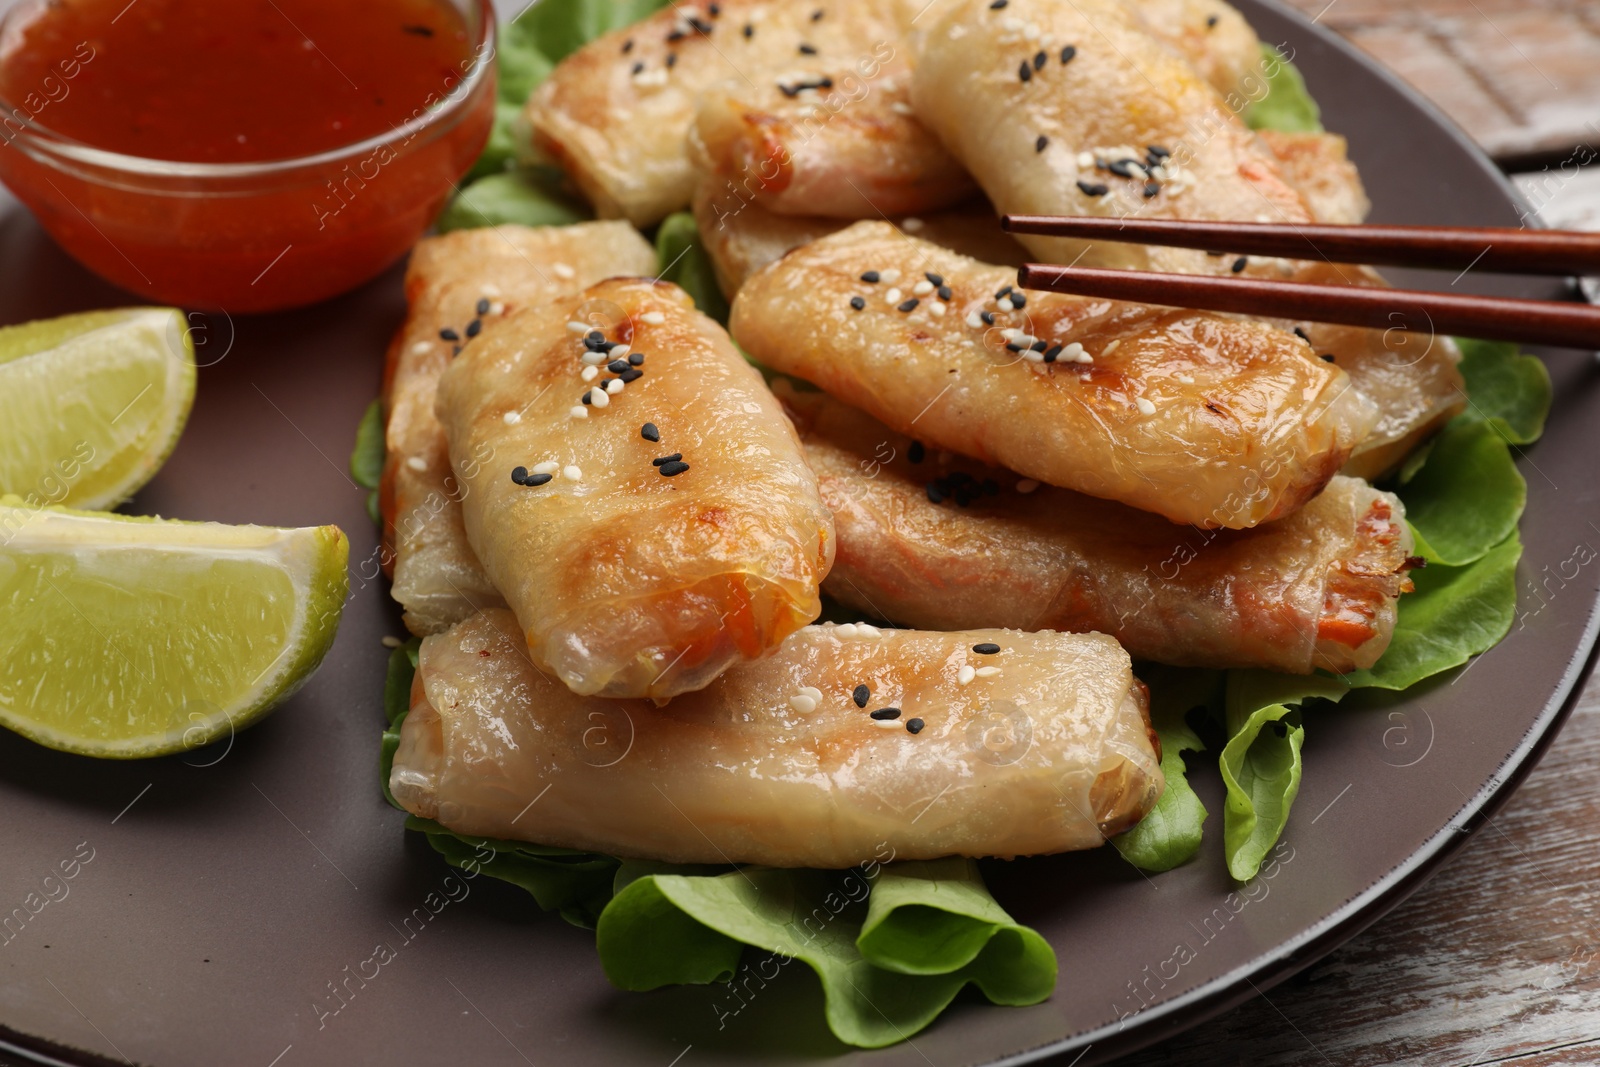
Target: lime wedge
[(127, 637), (92, 404)]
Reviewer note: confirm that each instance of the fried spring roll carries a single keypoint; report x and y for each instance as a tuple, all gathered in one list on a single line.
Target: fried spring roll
[(779, 762), (1318, 165), (634, 491), (616, 116), (1128, 127), (1205, 419), (453, 281), (931, 540), (834, 145), (1213, 36)]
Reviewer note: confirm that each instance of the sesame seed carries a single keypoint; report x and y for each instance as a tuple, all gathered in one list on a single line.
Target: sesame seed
[(945, 292), (631, 375), (417, 463), (885, 724), (916, 453), (857, 302), (1110, 348), (578, 411), (811, 691), (650, 432), (1327, 357), (549, 466), (672, 60), (1151, 189), (627, 46), (914, 726), (1018, 300), (636, 358), (845, 629), (653, 318), (974, 320), (617, 351), (421, 347), (1040, 60), (892, 296), (617, 366), (1040, 144), (669, 470), (449, 335), (637, 68), (667, 459), (598, 397), (511, 418), (1240, 264), (965, 674), (1067, 53), (1145, 407), (1025, 72), (909, 305), (1093, 188), (866, 629), (1211, 21), (816, 16), (391, 641), (986, 648), (474, 327), (802, 703), (578, 327), (615, 386), (589, 374), (870, 277), (885, 714), (561, 270), (935, 495), (1051, 353), (748, 31), (861, 695), (987, 672), (1027, 485), (1005, 304), (808, 49), (933, 279), (986, 317), (572, 474), (593, 359), (997, 5), (1298, 332), (891, 275), (922, 288), (937, 308), (533, 481), (911, 224)]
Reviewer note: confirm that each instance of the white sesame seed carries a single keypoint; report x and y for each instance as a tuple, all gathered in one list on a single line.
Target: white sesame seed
[(937, 307), (988, 672), (911, 224), (965, 674), (391, 641), (615, 385), (802, 703), (572, 474), (417, 463), (847, 629), (562, 270), (497, 308), (1011, 333), (593, 359), (578, 411), (1186, 379), (1144, 406), (549, 466), (922, 288), (578, 327), (618, 351), (893, 296), (654, 318), (1004, 303), (598, 398), (811, 691), (1110, 348), (1085, 160), (890, 276), (887, 724), (900, 107), (1084, 357), (1031, 356), (975, 321), (589, 374), (421, 348), (866, 629), (1027, 485)]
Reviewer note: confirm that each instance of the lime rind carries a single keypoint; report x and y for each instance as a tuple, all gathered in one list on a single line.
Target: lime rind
[(183, 685)]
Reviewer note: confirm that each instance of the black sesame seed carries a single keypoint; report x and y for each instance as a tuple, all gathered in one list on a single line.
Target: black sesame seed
[(715, 10), (1040, 346), (533, 481), (748, 31), (1051, 353), (883, 714), (617, 366), (1157, 151), (861, 695), (638, 67), (1151, 189), (672, 470), (630, 375), (1040, 60), (945, 292), (909, 305), (448, 334), (857, 303), (871, 277), (1041, 143), (650, 432), (666, 459), (636, 358), (1002, 294), (808, 49), (1211, 22), (1018, 300), (1025, 72), (1067, 53), (1240, 264), (1327, 357), (1298, 332), (586, 398), (816, 16), (675, 36), (483, 306), (702, 25), (594, 336), (474, 327), (996, 5), (916, 453), (627, 46), (518, 474), (933, 279), (1122, 168), (455, 351), (935, 494), (1012, 346), (987, 317), (987, 648), (914, 726), (672, 60)]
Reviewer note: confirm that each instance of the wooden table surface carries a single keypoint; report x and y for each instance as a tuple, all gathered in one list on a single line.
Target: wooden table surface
[(1497, 959)]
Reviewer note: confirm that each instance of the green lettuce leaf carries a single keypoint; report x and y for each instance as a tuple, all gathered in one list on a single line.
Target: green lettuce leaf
[(891, 952), (1468, 495), (1455, 613), (576, 884), (1170, 834), (1507, 388), (531, 196), (366, 458), (1287, 106), (683, 260)]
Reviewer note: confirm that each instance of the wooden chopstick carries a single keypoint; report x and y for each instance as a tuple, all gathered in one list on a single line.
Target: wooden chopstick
[(1454, 248), (1566, 325)]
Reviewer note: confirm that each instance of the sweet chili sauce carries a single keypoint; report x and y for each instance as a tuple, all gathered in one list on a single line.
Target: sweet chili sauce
[(242, 82)]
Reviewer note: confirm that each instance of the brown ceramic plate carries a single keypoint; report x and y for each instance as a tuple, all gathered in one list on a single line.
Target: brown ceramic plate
[(230, 891)]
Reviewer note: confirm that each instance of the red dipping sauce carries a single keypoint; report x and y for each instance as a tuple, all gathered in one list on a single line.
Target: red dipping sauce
[(242, 154)]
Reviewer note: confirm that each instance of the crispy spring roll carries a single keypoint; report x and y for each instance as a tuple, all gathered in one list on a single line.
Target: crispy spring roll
[(834, 145), (1318, 165), (781, 762), (1205, 419), (1213, 36), (1073, 109), (450, 278), (616, 115), (931, 540), (633, 490)]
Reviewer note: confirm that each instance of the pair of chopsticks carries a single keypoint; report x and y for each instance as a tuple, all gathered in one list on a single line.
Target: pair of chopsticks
[(1563, 324)]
